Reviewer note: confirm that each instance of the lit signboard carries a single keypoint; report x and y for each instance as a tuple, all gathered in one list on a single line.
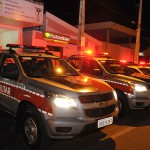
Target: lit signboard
[(57, 37)]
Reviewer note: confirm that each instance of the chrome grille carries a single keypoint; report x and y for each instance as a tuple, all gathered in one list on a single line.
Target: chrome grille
[(99, 112), (96, 98)]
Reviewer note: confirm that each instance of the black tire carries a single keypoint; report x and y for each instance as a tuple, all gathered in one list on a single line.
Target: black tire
[(122, 104), (32, 128)]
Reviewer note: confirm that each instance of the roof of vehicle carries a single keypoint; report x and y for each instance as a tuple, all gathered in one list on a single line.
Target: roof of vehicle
[(29, 51), (36, 54), (132, 66), (141, 69), (99, 57), (104, 58), (33, 54)]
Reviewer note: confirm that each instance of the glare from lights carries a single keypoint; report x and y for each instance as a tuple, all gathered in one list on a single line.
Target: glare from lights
[(123, 61), (85, 79), (105, 53), (84, 91), (140, 88), (64, 102), (59, 70), (142, 63), (88, 52)]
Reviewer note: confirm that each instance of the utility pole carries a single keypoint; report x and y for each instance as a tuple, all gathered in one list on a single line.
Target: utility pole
[(137, 46), (81, 24)]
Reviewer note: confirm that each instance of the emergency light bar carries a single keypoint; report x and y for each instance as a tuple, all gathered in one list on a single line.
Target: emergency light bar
[(29, 49), (25, 46), (123, 61), (14, 46)]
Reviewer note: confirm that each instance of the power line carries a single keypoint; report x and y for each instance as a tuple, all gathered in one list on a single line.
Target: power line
[(118, 12)]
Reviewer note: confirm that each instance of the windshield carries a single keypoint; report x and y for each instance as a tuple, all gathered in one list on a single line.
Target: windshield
[(145, 70), (46, 67), (114, 67)]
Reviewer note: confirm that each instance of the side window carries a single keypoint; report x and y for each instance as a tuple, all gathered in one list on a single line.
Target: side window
[(74, 63), (44, 66), (86, 67), (9, 69), (91, 67), (136, 71)]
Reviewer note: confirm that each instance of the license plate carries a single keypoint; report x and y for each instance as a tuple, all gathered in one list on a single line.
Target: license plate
[(104, 122)]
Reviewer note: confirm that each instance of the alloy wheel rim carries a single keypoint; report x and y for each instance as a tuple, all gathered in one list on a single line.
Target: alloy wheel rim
[(31, 130)]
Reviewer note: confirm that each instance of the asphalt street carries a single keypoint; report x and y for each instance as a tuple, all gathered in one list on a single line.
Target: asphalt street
[(130, 133)]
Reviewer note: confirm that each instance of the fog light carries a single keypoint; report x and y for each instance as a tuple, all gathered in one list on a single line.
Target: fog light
[(63, 129), (140, 103)]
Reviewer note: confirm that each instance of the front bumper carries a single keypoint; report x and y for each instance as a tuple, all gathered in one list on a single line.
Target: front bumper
[(62, 128), (138, 102)]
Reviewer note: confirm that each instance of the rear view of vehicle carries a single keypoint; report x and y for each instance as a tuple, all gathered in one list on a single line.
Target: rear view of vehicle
[(132, 93), (50, 99)]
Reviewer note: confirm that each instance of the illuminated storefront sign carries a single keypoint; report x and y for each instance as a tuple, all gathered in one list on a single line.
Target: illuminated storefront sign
[(23, 10), (57, 37)]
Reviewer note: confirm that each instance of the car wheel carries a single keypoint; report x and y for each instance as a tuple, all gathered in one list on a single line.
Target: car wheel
[(33, 128)]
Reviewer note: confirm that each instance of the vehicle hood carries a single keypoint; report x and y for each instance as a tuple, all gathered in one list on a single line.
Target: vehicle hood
[(125, 79), (143, 77), (78, 84)]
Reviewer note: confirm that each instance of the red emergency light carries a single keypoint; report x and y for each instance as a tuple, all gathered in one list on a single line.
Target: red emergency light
[(123, 61), (142, 63), (89, 51), (105, 53)]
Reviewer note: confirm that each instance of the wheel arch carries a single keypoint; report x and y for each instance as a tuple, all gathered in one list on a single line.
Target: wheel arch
[(123, 102), (118, 91), (21, 109)]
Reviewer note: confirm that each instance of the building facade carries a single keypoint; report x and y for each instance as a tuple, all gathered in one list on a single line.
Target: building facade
[(16, 15)]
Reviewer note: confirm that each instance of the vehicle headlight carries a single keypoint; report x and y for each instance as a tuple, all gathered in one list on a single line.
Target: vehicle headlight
[(140, 88), (64, 101), (115, 94)]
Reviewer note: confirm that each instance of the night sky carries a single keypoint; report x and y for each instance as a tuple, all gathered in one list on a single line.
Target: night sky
[(124, 12)]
